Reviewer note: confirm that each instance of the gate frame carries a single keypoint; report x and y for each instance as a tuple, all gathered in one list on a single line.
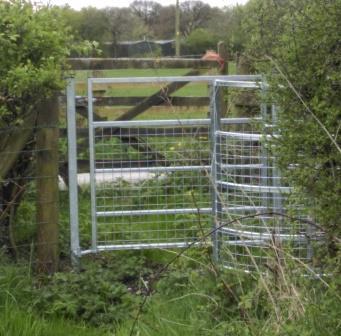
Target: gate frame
[(246, 81)]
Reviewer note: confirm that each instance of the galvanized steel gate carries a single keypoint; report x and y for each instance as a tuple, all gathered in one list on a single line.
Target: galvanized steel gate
[(162, 183)]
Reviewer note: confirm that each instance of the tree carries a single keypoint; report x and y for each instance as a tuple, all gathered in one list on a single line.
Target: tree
[(124, 25), (201, 40), (148, 11), (164, 26), (92, 24), (194, 14)]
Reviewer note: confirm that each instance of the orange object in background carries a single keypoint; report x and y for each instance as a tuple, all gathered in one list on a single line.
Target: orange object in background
[(211, 55)]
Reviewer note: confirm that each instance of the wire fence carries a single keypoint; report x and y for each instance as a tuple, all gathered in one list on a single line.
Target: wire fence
[(28, 203)]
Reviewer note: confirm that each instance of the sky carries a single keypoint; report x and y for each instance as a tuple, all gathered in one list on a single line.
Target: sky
[(77, 4)]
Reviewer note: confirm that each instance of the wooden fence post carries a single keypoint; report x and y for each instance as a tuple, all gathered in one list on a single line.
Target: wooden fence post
[(243, 66), (224, 69), (223, 53), (47, 186)]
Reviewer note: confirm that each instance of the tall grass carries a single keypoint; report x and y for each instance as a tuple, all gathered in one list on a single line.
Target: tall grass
[(17, 315), (19, 322)]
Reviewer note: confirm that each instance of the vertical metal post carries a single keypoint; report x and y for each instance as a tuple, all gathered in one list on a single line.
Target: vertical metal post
[(276, 175), (215, 113), (92, 167), (263, 152), (277, 204), (72, 165)]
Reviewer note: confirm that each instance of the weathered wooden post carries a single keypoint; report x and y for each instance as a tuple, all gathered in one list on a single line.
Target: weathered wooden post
[(243, 66), (223, 53), (47, 186)]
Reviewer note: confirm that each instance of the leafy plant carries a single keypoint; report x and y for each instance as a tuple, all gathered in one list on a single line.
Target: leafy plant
[(102, 294), (296, 44), (35, 43)]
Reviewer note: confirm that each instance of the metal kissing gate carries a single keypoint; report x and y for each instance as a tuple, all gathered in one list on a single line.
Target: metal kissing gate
[(168, 183)]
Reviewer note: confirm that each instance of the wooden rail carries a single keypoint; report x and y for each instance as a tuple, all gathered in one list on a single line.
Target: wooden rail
[(133, 100), (139, 63)]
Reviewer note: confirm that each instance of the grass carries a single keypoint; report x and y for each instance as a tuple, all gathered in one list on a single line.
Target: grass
[(17, 322), (193, 297), (156, 113), (17, 314), (193, 89)]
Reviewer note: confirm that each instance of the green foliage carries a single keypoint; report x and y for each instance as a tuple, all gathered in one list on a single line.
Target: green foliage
[(200, 40), (102, 294), (235, 35), (34, 45), (14, 322), (197, 297), (193, 297), (17, 322), (298, 46), (17, 313)]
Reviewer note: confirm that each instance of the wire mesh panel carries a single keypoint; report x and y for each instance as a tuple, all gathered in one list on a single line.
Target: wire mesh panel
[(150, 178), (261, 222), (151, 182)]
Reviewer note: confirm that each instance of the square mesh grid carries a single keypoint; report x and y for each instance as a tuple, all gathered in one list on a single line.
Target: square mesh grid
[(152, 183), (262, 223)]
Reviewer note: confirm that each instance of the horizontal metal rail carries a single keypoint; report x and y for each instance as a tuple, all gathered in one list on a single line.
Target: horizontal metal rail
[(238, 209), (140, 246), (155, 80), (244, 242), (158, 169), (242, 209), (256, 188), (153, 212), (244, 84), (263, 235), (170, 122), (161, 169), (243, 136)]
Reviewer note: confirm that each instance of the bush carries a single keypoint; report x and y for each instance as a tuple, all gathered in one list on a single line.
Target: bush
[(201, 40), (297, 45), (34, 46)]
